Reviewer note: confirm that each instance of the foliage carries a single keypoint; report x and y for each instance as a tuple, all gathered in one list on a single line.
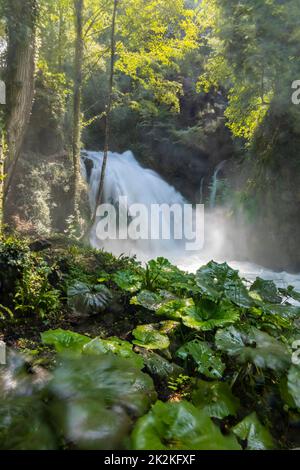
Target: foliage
[(208, 362), (27, 429), (65, 341), (179, 426), (151, 337), (210, 356), (249, 43), (153, 38), (89, 299), (216, 399), (267, 291), (115, 346), (253, 345), (96, 397), (128, 281), (86, 404), (25, 281), (159, 367), (219, 280), (256, 435)]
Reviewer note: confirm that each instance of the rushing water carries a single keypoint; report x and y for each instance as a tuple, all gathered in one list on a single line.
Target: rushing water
[(126, 177)]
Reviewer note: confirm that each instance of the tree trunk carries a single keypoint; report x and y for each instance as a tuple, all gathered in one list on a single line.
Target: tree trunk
[(77, 120), (21, 60), (108, 111)]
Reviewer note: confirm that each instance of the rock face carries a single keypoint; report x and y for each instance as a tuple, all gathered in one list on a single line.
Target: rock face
[(188, 150)]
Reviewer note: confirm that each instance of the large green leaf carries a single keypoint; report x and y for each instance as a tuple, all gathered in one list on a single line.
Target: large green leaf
[(216, 399), (161, 274), (95, 397), (294, 384), (256, 435), (266, 290), (208, 362), (285, 311), (158, 366), (253, 345), (179, 426), (151, 300), (217, 281), (175, 309), (113, 345), (88, 423), (204, 316), (64, 340), (89, 299), (208, 317), (150, 337), (128, 281)]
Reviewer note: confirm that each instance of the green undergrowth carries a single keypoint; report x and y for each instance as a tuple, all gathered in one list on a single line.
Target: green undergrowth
[(107, 354)]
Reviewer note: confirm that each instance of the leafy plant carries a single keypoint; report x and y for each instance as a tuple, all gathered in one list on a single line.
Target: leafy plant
[(255, 346), (179, 426), (94, 398), (266, 290), (128, 281), (34, 293), (216, 399), (64, 340), (115, 346), (157, 366), (161, 274), (254, 433), (204, 316), (24, 281), (150, 337), (208, 362), (152, 300), (217, 281), (180, 384), (67, 341), (89, 299)]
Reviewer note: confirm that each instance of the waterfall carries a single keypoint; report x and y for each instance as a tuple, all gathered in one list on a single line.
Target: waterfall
[(215, 184), (126, 177)]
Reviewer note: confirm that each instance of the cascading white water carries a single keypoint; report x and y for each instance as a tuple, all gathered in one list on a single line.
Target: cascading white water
[(215, 184), (126, 177)]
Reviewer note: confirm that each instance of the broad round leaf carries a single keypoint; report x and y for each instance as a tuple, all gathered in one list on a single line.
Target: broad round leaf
[(64, 340), (208, 362), (216, 399), (256, 435), (113, 345), (253, 345), (150, 337), (179, 426)]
